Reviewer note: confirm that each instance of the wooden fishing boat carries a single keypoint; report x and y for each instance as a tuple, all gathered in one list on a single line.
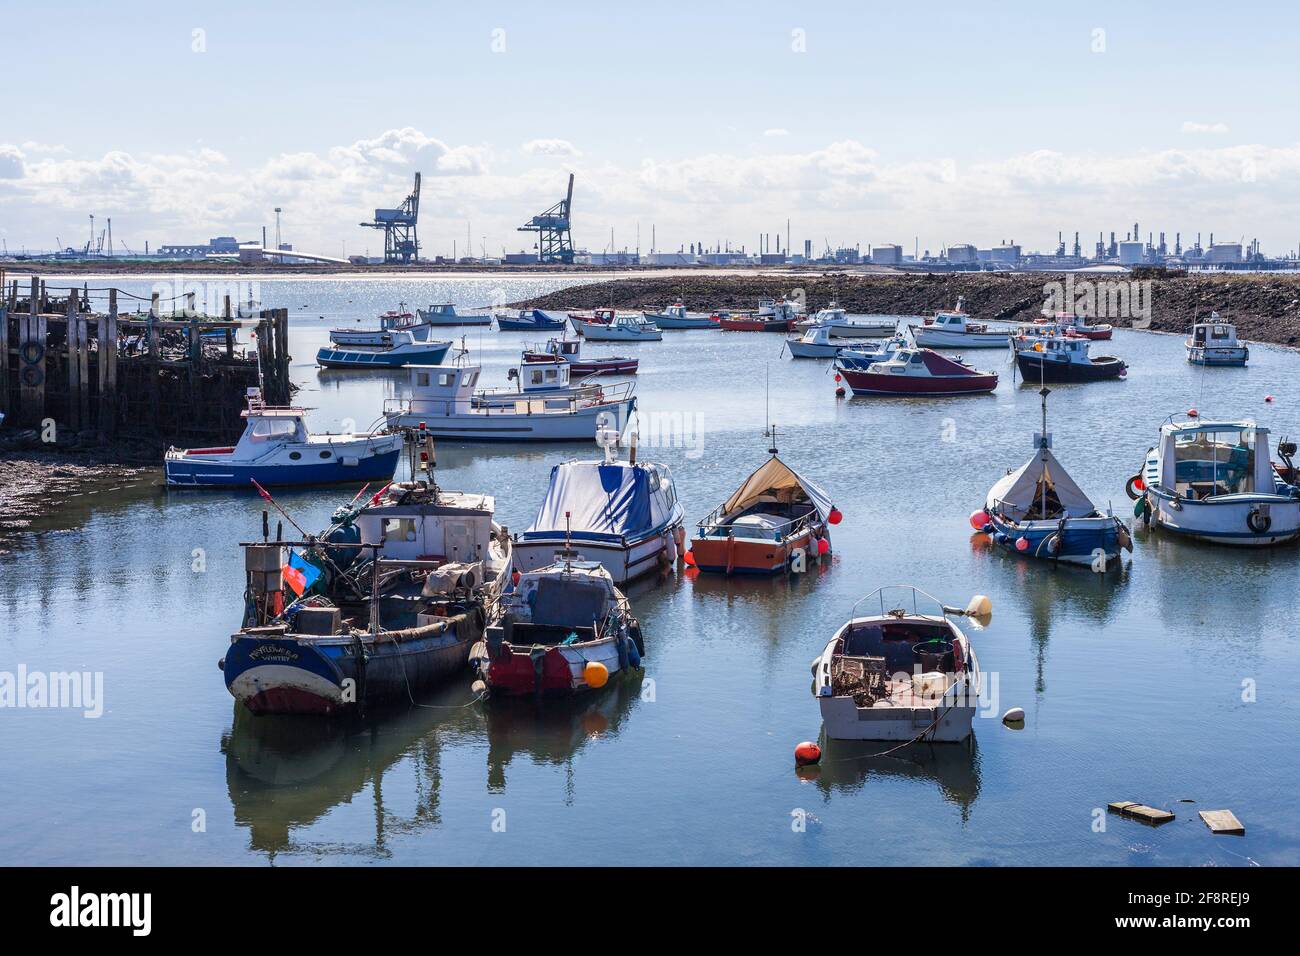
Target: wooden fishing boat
[(384, 604), (911, 371), (1214, 481), (622, 513), (899, 669), (560, 630), (773, 517), (1063, 358), (570, 351), (277, 449), (1215, 343), (1037, 510)]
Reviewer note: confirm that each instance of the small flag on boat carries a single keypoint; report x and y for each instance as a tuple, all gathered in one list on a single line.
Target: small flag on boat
[(299, 573)]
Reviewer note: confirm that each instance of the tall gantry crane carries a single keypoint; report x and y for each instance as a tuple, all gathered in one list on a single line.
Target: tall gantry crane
[(554, 239), (401, 244)]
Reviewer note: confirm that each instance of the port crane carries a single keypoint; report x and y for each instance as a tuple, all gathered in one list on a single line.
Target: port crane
[(401, 244), (553, 228)]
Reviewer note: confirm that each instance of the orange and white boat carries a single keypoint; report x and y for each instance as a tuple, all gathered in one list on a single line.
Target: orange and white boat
[(775, 516)]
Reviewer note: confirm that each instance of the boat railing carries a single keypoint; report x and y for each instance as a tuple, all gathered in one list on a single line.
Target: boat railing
[(710, 523), (581, 399)]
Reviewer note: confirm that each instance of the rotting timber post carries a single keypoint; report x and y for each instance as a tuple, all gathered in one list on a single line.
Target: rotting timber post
[(151, 378)]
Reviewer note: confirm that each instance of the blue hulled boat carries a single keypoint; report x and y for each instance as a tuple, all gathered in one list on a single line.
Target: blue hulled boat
[(1037, 510), (528, 320), (399, 349), (277, 449)]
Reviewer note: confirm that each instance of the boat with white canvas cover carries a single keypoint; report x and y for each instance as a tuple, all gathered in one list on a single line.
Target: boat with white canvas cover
[(843, 326), (443, 401), (622, 513), (1039, 511), (562, 629), (1215, 343), (901, 670), (955, 330), (444, 313), (623, 328), (1215, 481)]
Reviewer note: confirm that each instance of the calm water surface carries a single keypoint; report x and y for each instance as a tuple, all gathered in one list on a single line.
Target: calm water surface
[(1132, 682)]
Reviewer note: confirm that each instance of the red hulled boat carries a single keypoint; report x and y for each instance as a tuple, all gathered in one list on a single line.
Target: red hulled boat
[(918, 372)]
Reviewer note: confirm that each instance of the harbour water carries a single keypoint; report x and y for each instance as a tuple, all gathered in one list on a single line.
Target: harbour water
[(1173, 679)]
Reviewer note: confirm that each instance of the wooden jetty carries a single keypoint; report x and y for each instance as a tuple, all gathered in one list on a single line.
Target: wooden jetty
[(135, 375)]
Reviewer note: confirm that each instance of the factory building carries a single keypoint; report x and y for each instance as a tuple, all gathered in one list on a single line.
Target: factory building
[(887, 255), (1132, 253), (963, 254), (1222, 252)]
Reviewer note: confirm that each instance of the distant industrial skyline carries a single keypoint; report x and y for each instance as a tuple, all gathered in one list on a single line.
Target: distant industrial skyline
[(861, 124)]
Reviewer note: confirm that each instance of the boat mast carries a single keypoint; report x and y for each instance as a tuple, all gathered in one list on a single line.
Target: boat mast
[(1043, 443)]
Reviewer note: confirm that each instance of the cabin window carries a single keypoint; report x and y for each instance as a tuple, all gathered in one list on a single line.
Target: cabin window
[(399, 529), (295, 455), (537, 378), (552, 375), (446, 378), (654, 481), (269, 428), (422, 379), (1220, 332), (1214, 463), (326, 454), (916, 359)]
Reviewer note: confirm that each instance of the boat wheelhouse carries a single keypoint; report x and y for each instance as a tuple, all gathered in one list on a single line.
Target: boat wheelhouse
[(917, 371), (775, 514), (277, 449), (562, 629), (444, 401), (388, 602), (1215, 343), (1063, 358), (816, 342), (1215, 481), (900, 670), (956, 330), (622, 513)]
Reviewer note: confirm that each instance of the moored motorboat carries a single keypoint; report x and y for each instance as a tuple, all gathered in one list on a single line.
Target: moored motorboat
[(443, 400), (861, 358), (1073, 323), (675, 316), (843, 326), (540, 380), (528, 320), (384, 604), (599, 316), (277, 449), (1215, 343), (570, 351), (1039, 511), (562, 629), (773, 315), (815, 343), (622, 513), (1063, 358), (401, 349), (623, 328), (775, 521), (913, 371), (955, 330), (1215, 481), (445, 314), (901, 670)]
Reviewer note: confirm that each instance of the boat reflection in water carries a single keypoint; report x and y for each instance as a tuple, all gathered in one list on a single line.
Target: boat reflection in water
[(285, 775), (847, 766)]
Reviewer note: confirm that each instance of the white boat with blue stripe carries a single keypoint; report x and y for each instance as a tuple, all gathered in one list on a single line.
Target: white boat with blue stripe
[(277, 449), (1215, 481), (399, 349)]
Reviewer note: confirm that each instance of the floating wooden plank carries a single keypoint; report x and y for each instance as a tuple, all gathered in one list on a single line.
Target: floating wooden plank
[(1140, 811), (1223, 821)]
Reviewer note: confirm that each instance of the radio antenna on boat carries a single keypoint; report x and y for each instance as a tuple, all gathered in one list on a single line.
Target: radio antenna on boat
[(771, 435)]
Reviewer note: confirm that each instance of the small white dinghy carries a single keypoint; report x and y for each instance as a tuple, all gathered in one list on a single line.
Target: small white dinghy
[(901, 671)]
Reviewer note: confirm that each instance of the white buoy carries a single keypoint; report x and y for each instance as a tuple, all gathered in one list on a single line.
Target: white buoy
[(1016, 715)]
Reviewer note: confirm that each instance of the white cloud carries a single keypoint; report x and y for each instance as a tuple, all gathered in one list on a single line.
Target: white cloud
[(550, 147), (11, 162), (776, 132), (1200, 128)]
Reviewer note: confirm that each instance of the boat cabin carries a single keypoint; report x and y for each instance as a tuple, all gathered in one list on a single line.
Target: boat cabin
[(1199, 460), (541, 376), (415, 523), (554, 604), (441, 389), (1215, 334)]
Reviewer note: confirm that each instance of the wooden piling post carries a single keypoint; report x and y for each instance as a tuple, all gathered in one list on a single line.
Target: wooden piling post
[(4, 357), (31, 375), (74, 367), (83, 363), (230, 333), (108, 369)]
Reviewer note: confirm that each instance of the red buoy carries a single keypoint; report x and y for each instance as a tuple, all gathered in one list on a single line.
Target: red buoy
[(514, 578), (823, 545), (807, 753), (839, 392), (837, 377), (1191, 413), (835, 517), (1022, 544), (690, 558)]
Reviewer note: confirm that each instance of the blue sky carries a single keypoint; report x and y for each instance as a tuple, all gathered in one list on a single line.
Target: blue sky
[(864, 122)]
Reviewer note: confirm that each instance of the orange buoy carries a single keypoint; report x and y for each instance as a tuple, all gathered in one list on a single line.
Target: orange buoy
[(978, 519), (807, 753), (595, 674), (690, 558)]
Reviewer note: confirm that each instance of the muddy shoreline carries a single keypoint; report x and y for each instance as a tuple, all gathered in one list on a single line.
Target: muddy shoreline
[(1265, 307)]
